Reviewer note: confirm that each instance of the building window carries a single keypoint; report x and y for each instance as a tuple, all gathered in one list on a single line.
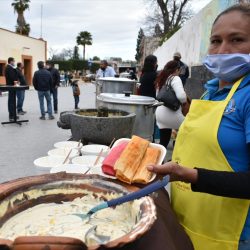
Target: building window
[(2, 67)]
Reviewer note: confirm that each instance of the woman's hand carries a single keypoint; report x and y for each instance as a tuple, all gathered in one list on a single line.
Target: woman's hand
[(176, 172)]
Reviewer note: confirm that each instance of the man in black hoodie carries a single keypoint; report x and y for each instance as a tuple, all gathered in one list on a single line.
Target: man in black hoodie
[(42, 82), (56, 83), (11, 80)]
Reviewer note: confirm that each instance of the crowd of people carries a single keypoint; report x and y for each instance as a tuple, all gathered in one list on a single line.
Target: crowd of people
[(174, 73), (46, 81)]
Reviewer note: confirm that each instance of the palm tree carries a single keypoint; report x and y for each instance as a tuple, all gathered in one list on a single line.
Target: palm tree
[(20, 6), (84, 38)]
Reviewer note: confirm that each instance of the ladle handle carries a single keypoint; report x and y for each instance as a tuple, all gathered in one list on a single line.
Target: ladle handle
[(132, 196), (140, 193)]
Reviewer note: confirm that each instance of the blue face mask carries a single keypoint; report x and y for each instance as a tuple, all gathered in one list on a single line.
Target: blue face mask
[(228, 67)]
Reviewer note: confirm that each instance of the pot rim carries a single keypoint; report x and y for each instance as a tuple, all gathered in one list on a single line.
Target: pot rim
[(114, 79), (122, 99), (128, 114)]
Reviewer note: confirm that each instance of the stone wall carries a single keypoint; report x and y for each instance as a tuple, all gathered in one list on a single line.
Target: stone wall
[(195, 85)]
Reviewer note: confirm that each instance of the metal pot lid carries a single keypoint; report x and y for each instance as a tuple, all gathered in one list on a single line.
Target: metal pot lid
[(115, 79), (122, 99)]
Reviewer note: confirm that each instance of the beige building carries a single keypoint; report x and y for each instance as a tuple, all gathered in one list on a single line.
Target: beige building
[(27, 50)]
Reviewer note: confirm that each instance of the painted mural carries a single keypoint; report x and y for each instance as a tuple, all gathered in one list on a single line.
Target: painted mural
[(208, 16)]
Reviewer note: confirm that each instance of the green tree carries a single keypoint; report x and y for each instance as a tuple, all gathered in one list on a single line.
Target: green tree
[(76, 53), (96, 58), (20, 6), (84, 38), (138, 46)]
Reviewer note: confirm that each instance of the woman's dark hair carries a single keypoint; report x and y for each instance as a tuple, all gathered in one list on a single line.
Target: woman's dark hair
[(149, 64), (168, 70), (243, 8)]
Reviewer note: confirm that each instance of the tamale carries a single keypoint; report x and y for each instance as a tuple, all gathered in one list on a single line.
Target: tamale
[(142, 175), (130, 159)]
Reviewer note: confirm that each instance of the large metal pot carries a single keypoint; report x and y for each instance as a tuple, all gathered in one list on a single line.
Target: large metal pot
[(115, 85), (142, 106)]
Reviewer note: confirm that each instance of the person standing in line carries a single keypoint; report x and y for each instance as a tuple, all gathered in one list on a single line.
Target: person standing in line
[(42, 82), (167, 119), (56, 83), (105, 70), (66, 78), (20, 93), (148, 76), (76, 93), (70, 77), (11, 77), (184, 71), (132, 75)]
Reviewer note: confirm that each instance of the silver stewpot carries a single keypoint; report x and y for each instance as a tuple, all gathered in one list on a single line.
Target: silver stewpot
[(142, 106), (115, 85)]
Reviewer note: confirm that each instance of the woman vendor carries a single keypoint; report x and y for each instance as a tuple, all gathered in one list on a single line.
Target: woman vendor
[(210, 164)]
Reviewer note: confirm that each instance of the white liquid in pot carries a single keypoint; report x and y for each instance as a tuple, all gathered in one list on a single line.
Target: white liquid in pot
[(58, 220)]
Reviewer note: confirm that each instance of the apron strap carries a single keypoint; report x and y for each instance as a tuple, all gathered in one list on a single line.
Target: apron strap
[(204, 94), (230, 94), (233, 89)]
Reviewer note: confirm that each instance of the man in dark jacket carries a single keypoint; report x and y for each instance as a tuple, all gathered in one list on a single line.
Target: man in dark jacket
[(184, 71), (20, 93), (11, 79), (42, 82), (56, 83)]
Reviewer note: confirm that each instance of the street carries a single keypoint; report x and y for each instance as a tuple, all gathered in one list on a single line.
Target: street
[(21, 145)]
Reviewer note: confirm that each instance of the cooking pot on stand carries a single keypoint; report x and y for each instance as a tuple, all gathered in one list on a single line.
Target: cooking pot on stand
[(142, 106), (115, 85)]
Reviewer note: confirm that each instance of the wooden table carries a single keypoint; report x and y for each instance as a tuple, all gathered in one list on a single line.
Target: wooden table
[(166, 233), (14, 89)]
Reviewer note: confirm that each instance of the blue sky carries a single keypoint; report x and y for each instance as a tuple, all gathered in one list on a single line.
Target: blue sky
[(114, 24)]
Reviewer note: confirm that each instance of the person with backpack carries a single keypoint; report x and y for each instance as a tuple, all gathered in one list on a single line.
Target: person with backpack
[(76, 93)]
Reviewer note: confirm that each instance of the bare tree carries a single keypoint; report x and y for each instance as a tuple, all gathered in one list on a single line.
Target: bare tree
[(52, 53), (166, 16), (67, 53)]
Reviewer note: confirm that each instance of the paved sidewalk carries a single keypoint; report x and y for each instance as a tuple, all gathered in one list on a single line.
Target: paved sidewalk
[(21, 145)]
